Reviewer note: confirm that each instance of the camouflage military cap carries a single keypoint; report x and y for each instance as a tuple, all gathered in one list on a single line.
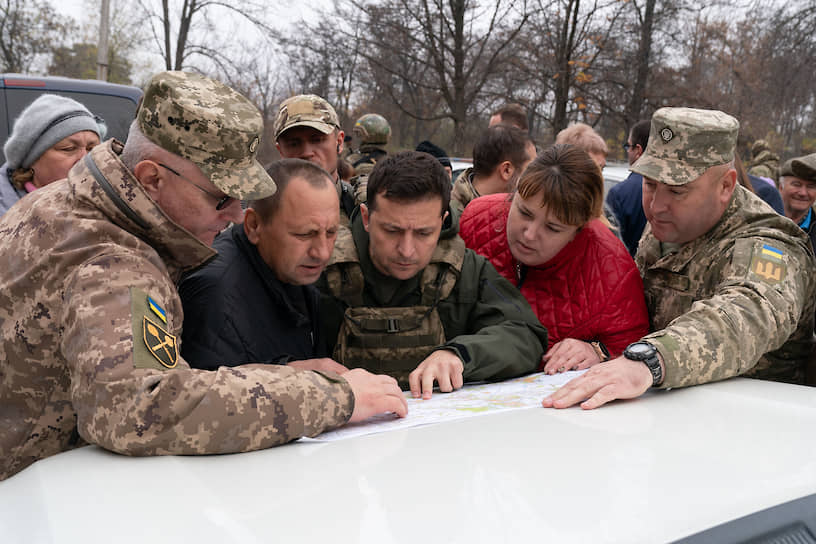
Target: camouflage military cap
[(685, 142), (804, 168), (209, 124), (306, 110)]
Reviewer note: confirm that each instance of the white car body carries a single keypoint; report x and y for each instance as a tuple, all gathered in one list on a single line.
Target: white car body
[(650, 470)]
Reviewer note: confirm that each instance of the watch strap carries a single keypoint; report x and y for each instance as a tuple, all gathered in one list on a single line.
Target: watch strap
[(600, 349)]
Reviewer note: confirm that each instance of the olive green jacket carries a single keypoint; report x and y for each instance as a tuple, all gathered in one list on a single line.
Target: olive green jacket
[(487, 322)]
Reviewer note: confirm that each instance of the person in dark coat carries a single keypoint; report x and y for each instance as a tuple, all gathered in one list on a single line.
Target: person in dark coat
[(626, 198), (255, 303)]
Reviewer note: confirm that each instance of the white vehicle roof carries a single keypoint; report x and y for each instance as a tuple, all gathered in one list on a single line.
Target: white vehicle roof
[(649, 470)]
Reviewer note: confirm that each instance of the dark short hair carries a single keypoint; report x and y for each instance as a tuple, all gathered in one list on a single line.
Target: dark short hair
[(283, 171), (640, 133), (569, 181), (514, 115), (427, 146), (497, 144), (408, 176)]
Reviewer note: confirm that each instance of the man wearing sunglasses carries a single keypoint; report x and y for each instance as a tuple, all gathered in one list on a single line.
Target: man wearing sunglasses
[(90, 319), (625, 198)]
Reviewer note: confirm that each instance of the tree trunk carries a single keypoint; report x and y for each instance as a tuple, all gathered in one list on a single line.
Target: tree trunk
[(635, 106)]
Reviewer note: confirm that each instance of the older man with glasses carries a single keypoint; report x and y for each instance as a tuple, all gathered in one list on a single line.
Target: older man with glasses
[(797, 187), (90, 318)]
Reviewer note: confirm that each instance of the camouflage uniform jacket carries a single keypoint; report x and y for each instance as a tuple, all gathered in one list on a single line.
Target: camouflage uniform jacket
[(765, 165), (79, 259), (463, 191), (365, 158), (487, 321), (738, 300)]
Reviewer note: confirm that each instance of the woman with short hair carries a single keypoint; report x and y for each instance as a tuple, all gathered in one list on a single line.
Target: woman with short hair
[(51, 135), (546, 238)]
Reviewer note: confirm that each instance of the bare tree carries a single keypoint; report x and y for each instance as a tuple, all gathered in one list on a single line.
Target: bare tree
[(447, 48), (173, 27), (563, 51), (645, 13), (325, 67), (29, 28)]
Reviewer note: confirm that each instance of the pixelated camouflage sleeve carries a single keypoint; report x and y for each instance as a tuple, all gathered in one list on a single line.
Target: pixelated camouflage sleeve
[(135, 402), (766, 289)]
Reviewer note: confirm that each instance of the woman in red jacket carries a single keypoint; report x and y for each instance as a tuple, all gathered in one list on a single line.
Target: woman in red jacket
[(577, 276)]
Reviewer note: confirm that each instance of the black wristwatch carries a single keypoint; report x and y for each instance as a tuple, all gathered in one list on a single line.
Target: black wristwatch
[(647, 354)]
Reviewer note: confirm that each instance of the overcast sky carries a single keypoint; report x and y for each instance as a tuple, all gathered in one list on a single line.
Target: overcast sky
[(283, 13)]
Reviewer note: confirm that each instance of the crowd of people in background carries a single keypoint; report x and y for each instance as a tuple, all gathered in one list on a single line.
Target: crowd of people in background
[(261, 304)]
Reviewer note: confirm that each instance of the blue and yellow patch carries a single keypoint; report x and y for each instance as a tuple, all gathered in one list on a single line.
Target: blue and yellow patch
[(772, 252), (156, 309), (768, 264)]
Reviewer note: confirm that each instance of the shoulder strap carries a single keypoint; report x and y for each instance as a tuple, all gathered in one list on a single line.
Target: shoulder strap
[(440, 276), (347, 198), (344, 276)]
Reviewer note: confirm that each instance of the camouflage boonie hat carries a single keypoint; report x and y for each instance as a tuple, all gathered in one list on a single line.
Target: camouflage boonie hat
[(211, 125), (306, 110), (685, 142), (804, 168)]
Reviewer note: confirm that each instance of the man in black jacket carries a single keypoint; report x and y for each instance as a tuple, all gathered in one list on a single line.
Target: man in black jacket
[(255, 301)]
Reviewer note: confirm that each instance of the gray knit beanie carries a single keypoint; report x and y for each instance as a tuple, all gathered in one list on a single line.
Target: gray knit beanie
[(46, 121)]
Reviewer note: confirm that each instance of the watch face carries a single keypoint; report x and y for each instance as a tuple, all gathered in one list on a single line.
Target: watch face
[(640, 348)]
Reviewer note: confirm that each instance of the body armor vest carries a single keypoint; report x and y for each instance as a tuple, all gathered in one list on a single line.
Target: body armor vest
[(393, 340)]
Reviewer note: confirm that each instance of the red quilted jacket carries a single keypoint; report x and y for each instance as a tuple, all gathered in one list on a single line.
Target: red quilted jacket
[(590, 291)]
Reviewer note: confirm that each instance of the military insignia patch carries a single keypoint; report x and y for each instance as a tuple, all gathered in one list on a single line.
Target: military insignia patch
[(156, 309), (767, 263), (160, 343), (254, 145), (666, 134)]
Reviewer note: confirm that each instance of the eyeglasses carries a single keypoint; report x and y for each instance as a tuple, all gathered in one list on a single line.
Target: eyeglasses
[(627, 146), (222, 200)]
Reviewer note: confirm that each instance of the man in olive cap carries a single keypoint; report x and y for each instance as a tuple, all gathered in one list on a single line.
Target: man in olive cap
[(797, 187), (307, 127), (90, 317), (729, 283)]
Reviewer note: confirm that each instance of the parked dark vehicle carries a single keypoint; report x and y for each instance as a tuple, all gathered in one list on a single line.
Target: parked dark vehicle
[(116, 104)]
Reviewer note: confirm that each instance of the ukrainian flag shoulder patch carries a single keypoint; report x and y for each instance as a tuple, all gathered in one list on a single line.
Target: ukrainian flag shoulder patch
[(772, 252), (156, 309), (768, 265)]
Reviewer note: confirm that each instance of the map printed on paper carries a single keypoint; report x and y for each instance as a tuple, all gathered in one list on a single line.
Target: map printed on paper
[(470, 401)]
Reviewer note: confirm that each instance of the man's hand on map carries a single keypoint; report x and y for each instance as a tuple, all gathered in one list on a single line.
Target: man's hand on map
[(569, 354), (442, 365), (374, 394), (619, 378)]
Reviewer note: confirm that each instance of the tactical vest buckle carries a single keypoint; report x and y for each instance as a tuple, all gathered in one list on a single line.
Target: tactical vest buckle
[(393, 325)]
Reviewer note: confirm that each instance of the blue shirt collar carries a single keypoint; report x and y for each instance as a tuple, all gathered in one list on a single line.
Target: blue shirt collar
[(805, 224)]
